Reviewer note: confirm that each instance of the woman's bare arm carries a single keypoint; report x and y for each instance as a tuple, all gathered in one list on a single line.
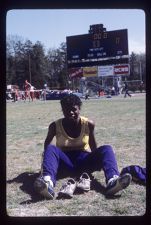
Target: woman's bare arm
[(50, 135), (92, 141)]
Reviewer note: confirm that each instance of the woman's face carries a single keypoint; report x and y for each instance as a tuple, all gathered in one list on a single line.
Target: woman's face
[(71, 113)]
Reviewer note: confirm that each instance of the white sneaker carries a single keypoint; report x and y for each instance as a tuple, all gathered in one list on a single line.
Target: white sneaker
[(117, 184), (67, 189), (84, 182)]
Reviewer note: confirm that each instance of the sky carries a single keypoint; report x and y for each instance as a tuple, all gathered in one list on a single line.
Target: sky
[(51, 27)]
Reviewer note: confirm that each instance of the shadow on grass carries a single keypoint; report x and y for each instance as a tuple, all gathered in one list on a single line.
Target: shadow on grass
[(27, 185), (27, 180), (98, 187)]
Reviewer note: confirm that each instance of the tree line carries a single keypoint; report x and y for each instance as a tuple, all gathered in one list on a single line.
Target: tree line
[(31, 61), (26, 60)]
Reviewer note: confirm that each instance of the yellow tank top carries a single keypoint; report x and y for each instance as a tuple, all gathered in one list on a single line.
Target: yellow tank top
[(79, 143)]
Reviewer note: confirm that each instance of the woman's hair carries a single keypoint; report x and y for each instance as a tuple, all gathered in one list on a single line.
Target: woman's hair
[(70, 100)]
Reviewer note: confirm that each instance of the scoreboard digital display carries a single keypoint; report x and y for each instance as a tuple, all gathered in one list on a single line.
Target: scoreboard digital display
[(97, 48)]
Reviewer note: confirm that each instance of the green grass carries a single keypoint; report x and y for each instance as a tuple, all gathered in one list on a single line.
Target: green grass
[(119, 122)]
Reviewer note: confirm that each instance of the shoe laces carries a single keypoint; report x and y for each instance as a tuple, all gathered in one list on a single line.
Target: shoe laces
[(66, 185), (84, 177), (112, 180)]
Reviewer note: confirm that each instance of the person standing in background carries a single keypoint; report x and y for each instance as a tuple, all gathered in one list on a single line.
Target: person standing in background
[(27, 87), (126, 90)]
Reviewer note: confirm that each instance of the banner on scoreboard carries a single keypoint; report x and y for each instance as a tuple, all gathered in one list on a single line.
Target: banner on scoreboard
[(90, 71), (122, 69), (75, 72), (105, 71)]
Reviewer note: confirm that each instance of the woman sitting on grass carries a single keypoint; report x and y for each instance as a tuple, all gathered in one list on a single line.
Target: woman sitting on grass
[(76, 152)]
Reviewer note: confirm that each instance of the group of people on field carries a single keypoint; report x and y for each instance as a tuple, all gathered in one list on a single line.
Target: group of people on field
[(28, 92)]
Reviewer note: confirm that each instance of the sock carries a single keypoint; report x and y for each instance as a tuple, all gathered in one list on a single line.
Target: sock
[(48, 179)]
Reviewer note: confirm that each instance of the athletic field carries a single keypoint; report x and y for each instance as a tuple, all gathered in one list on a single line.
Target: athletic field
[(119, 121)]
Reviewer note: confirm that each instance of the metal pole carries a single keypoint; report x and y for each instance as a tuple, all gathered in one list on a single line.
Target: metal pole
[(140, 70), (29, 69)]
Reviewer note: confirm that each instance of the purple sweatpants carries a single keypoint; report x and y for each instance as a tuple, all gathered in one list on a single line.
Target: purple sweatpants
[(56, 161)]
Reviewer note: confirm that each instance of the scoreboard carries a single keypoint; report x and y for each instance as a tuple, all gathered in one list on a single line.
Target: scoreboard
[(101, 48)]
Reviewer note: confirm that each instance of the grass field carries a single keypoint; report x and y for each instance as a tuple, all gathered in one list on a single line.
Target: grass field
[(119, 121)]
